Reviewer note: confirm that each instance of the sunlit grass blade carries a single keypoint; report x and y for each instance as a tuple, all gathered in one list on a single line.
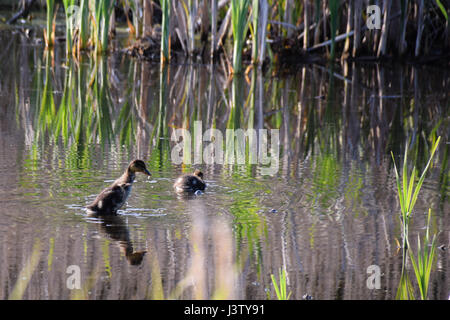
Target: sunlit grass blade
[(255, 29), (422, 177), (442, 8), (280, 287), (407, 198), (68, 5), (399, 188), (48, 33), (405, 289), (405, 180), (422, 265)]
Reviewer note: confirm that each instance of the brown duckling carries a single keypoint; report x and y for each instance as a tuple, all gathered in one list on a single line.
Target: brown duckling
[(190, 182), (112, 198)]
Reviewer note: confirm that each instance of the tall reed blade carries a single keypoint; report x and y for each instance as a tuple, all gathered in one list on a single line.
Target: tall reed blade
[(334, 5), (71, 20), (239, 11), (408, 192), (255, 19), (83, 25), (165, 35), (49, 32)]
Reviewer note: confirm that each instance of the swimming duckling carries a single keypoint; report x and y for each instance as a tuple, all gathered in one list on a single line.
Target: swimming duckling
[(112, 198), (190, 182)]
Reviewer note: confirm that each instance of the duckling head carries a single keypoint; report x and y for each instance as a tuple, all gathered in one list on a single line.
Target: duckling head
[(198, 173), (138, 166)]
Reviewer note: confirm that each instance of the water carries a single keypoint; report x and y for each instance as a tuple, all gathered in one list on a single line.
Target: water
[(328, 213)]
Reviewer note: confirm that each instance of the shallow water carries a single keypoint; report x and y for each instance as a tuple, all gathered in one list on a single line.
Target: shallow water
[(327, 213)]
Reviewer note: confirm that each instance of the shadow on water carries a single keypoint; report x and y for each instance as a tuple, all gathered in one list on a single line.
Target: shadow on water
[(328, 211), (115, 227)]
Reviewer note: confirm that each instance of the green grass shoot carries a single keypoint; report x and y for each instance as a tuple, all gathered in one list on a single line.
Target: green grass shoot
[(408, 190), (280, 286), (423, 263)]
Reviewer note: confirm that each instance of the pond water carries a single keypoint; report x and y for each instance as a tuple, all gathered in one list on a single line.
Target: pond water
[(328, 211)]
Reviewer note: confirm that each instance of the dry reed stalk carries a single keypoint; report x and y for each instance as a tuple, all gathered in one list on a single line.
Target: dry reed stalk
[(357, 26), (213, 27), (307, 23), (148, 13), (385, 28), (223, 29), (349, 28), (419, 28)]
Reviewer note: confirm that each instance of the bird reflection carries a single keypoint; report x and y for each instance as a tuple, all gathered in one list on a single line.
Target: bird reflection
[(116, 228)]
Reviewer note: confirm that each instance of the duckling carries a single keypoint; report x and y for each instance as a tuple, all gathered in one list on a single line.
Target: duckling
[(112, 198), (190, 182)]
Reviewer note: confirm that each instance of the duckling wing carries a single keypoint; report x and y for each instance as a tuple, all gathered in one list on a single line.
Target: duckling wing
[(110, 199)]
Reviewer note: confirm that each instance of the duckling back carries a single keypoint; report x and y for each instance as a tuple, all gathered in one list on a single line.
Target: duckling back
[(190, 182), (110, 200)]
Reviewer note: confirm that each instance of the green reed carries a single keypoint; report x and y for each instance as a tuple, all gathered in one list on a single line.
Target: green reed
[(334, 6), (83, 25), (239, 23), (280, 286), (64, 116), (159, 135), (70, 23), (254, 30), (47, 108), (234, 121), (78, 33), (286, 19), (408, 191), (102, 14), (86, 112), (423, 263), (50, 30), (102, 102), (165, 32)]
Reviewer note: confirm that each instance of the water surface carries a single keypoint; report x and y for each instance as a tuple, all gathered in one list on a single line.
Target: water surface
[(68, 129)]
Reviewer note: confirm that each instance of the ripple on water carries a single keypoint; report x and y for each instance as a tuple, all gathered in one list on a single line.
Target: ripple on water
[(143, 212)]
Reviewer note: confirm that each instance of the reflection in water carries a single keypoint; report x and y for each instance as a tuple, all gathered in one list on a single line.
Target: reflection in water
[(328, 213), (115, 227)]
